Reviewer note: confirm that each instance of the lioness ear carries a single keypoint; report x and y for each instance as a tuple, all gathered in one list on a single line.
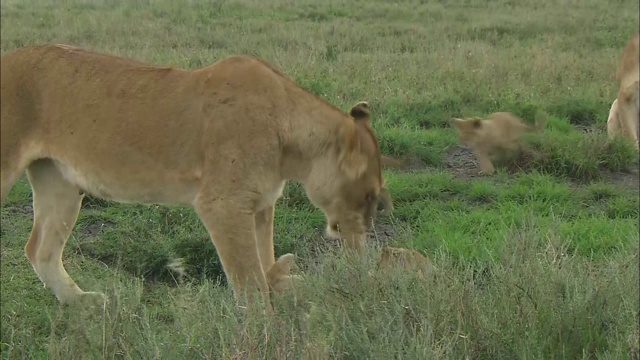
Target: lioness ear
[(360, 111), (350, 157), (476, 123)]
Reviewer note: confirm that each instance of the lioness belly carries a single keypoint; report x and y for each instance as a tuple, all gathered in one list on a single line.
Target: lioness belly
[(131, 186)]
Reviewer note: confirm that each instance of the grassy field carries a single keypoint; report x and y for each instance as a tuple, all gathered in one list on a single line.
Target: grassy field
[(539, 261)]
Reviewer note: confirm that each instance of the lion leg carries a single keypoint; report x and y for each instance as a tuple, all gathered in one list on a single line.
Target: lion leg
[(629, 111), (278, 272), (264, 237), (232, 230), (8, 177), (613, 122), (629, 118), (12, 164), (56, 204), (486, 166)]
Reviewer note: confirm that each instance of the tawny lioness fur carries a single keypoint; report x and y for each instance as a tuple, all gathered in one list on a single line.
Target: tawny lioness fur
[(498, 134), (624, 115), (223, 139)]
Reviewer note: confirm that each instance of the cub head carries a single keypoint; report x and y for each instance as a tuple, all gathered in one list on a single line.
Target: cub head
[(345, 182), (468, 130), (279, 275)]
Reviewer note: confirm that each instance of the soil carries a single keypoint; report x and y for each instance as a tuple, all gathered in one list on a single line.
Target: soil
[(92, 230)]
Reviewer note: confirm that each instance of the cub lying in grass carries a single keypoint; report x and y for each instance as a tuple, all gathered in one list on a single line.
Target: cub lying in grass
[(405, 258), (499, 134)]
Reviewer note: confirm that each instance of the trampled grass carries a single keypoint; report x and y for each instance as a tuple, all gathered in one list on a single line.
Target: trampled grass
[(539, 261)]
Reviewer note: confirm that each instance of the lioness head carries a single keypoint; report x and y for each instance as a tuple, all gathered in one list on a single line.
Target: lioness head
[(467, 129), (347, 181)]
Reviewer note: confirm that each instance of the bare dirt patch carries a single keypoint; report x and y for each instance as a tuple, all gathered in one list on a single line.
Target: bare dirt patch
[(628, 180), (91, 231), (24, 210), (462, 163)]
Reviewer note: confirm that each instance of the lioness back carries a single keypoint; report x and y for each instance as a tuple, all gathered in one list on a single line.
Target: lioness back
[(88, 103)]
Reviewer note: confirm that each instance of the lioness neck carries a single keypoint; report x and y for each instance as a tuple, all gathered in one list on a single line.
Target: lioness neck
[(310, 135)]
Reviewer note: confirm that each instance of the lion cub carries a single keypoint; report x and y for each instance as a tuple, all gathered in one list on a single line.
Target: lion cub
[(405, 258), (499, 134), (279, 275)]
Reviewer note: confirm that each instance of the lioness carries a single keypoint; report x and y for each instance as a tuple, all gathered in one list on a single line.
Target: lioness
[(624, 115), (223, 139), (500, 133)]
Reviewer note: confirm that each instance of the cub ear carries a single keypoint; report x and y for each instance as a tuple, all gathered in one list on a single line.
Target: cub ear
[(284, 264), (360, 111), (279, 275), (385, 258), (476, 123)]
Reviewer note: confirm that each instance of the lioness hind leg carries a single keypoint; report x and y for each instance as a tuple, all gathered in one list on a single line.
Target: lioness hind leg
[(232, 230), (7, 179), (10, 170), (56, 204), (613, 121)]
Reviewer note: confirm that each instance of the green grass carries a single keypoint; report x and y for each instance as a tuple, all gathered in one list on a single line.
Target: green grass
[(539, 261)]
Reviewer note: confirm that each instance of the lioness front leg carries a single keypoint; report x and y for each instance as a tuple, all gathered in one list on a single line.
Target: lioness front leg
[(278, 273), (264, 237), (232, 230), (56, 204)]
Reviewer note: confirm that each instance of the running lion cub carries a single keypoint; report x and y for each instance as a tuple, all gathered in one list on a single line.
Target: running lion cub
[(499, 134)]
